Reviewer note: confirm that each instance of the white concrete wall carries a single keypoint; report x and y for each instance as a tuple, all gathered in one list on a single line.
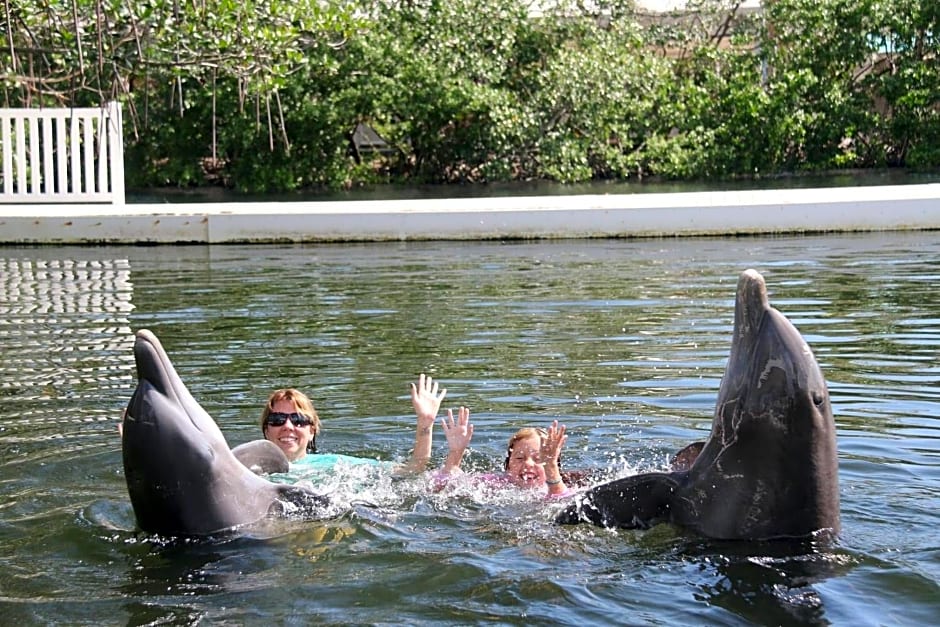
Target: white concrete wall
[(900, 207)]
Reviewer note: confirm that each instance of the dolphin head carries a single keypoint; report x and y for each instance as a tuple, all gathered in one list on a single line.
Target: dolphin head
[(769, 468), (770, 465), (181, 476)]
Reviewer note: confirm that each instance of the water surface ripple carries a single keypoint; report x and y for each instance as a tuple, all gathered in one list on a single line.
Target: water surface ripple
[(623, 341)]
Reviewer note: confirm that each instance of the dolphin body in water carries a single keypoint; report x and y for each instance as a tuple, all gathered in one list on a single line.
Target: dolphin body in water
[(182, 478), (769, 468)]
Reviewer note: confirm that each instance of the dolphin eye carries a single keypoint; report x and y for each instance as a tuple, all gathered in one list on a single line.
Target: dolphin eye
[(818, 399)]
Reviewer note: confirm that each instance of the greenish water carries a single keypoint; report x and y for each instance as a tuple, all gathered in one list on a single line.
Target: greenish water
[(623, 341), (852, 178)]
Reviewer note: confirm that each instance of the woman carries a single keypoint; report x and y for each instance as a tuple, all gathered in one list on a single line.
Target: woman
[(290, 421), (532, 456)]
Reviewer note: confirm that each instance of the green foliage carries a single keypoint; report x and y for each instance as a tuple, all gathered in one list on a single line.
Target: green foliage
[(907, 80), (264, 95)]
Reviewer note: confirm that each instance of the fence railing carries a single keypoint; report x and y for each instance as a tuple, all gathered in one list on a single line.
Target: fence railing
[(62, 155)]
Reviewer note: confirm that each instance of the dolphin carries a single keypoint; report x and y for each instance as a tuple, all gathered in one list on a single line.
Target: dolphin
[(262, 457), (769, 468), (182, 478)]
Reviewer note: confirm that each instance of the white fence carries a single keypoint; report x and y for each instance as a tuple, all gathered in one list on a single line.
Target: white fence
[(62, 155)]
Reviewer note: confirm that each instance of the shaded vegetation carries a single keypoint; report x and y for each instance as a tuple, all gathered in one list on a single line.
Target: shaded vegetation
[(264, 95)]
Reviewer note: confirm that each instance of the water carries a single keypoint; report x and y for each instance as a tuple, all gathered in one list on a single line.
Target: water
[(623, 341), (848, 178)]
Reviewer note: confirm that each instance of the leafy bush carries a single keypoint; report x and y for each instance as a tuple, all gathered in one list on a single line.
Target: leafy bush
[(264, 96)]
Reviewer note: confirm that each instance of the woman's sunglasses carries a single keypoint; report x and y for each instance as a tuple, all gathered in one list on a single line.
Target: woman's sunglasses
[(277, 419)]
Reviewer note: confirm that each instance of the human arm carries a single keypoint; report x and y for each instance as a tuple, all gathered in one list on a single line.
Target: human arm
[(550, 453), (458, 434), (426, 397)]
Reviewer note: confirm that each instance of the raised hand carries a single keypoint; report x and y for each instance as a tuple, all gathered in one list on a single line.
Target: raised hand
[(553, 442), (426, 399), (458, 434)]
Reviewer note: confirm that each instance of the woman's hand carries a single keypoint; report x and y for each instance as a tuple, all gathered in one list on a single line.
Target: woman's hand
[(426, 400)]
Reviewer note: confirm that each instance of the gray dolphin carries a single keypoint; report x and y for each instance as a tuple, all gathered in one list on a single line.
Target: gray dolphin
[(182, 478), (769, 468), (262, 457)]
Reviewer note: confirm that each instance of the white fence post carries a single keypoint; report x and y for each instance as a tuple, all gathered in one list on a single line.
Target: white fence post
[(62, 155), (115, 126)]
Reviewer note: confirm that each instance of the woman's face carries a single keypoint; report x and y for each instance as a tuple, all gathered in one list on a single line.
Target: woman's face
[(291, 438), (525, 468)]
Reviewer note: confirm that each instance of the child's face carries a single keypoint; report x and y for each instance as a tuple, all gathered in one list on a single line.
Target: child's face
[(525, 467)]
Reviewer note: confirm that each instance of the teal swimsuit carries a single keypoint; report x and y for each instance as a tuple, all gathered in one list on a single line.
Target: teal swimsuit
[(324, 467), (326, 461)]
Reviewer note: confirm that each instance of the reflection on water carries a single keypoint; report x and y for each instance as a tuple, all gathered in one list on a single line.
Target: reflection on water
[(623, 341), (64, 325)]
